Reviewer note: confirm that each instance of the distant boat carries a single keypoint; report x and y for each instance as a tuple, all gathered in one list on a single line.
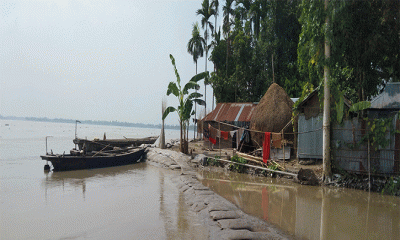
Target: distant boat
[(108, 144), (94, 159)]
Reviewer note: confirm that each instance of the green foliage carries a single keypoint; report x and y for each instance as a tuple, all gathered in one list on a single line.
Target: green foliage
[(307, 89), (377, 131), (195, 44), (255, 33), (185, 99), (359, 58), (214, 161), (273, 167), (237, 167), (392, 187), (311, 41), (360, 106), (283, 41)]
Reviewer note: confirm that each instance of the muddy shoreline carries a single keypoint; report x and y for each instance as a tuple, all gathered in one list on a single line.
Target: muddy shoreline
[(222, 219)]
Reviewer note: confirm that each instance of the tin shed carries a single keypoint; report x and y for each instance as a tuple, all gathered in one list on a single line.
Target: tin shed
[(352, 154), (236, 114), (309, 140)]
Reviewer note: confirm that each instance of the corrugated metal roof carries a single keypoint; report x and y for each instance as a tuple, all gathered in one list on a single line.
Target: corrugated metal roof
[(232, 112), (389, 98)]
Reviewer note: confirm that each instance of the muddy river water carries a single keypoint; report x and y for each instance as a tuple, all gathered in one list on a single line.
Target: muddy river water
[(308, 212), (140, 201)]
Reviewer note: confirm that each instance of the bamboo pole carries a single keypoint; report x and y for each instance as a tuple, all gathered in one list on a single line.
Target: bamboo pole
[(261, 168), (219, 140), (284, 156)]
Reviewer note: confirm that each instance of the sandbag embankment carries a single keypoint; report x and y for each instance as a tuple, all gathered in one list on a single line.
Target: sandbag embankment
[(170, 159)]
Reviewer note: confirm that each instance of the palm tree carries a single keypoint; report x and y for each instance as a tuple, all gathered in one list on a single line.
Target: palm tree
[(185, 106), (215, 6), (214, 42), (206, 11), (228, 11), (196, 44), (195, 48)]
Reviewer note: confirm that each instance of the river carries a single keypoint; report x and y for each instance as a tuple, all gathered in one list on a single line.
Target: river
[(136, 201)]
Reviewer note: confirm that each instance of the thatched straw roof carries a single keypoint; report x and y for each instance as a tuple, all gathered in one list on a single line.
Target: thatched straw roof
[(272, 113)]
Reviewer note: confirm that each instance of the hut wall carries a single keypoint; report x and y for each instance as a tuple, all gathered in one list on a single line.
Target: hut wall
[(349, 159), (312, 107), (309, 138), (355, 159)]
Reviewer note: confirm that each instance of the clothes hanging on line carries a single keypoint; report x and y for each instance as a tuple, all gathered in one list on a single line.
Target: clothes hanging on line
[(212, 140), (246, 136), (213, 131), (234, 139), (238, 137), (266, 146), (232, 133), (206, 133), (224, 135)]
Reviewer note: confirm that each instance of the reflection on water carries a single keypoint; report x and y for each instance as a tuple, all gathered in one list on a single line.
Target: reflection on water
[(308, 212), (178, 221), (78, 179)]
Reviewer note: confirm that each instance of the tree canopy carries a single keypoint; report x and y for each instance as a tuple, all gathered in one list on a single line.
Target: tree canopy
[(283, 42)]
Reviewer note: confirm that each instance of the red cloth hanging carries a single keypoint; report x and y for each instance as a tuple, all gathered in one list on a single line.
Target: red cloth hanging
[(266, 146), (224, 135), (212, 140)]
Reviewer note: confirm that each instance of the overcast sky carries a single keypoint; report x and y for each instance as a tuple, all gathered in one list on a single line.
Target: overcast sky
[(94, 59)]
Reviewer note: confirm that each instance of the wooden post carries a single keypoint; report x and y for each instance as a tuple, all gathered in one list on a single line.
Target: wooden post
[(369, 167), (219, 141), (284, 155)]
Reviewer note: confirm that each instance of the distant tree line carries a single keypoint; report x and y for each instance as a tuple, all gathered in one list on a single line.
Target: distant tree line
[(282, 41), (93, 122)]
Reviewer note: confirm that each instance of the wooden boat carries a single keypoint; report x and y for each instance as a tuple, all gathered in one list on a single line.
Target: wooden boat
[(108, 144), (95, 159)]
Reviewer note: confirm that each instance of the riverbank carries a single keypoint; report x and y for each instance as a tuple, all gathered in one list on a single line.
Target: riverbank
[(223, 219), (385, 185)]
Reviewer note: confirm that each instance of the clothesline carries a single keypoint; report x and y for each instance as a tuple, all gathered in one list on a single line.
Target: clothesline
[(242, 135), (256, 131)]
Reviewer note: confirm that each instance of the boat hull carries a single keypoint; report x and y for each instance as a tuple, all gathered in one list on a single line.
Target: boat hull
[(97, 145), (69, 162)]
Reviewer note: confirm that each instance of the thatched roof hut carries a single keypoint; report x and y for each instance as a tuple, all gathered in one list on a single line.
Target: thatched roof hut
[(272, 114)]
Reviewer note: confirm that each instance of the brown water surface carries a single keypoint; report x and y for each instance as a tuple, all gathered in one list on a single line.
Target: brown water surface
[(308, 212), (137, 201)]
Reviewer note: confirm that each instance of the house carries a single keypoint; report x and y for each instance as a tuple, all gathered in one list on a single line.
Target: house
[(350, 148), (235, 115), (387, 106), (309, 138)]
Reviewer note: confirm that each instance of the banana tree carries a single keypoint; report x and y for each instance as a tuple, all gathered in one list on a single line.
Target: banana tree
[(186, 101)]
